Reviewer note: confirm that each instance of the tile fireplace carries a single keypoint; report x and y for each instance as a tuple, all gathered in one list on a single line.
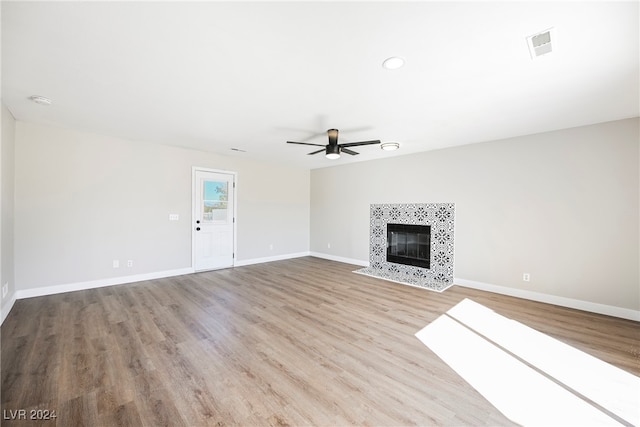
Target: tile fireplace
[(412, 244)]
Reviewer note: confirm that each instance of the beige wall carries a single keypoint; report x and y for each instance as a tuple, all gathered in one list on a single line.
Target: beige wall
[(83, 200), (562, 206), (6, 211)]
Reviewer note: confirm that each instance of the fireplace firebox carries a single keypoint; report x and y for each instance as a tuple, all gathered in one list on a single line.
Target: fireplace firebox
[(409, 244)]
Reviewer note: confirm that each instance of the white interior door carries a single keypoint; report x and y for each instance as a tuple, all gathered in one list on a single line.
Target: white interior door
[(213, 219)]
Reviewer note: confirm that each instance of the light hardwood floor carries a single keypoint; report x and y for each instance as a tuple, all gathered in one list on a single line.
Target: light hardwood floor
[(296, 342)]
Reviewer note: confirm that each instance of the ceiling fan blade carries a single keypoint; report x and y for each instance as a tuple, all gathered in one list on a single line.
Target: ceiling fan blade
[(305, 143), (315, 135), (346, 150), (358, 129), (316, 152), (355, 144)]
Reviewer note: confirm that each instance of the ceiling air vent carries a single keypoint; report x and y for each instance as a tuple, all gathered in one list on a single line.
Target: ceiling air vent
[(541, 43)]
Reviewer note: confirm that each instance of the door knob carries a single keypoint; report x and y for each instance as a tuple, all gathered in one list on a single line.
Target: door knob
[(197, 228), (198, 221)]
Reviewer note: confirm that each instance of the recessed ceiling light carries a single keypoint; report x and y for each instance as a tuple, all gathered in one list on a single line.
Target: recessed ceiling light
[(393, 63), (42, 100), (389, 146)]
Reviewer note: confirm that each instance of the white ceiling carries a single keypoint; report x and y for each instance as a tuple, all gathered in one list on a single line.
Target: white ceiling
[(221, 75)]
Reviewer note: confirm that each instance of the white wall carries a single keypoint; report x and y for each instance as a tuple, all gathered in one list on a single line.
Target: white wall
[(83, 200), (6, 211), (562, 206)]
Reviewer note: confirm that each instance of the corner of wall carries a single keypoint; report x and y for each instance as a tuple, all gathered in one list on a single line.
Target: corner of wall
[(5, 309), (7, 179)]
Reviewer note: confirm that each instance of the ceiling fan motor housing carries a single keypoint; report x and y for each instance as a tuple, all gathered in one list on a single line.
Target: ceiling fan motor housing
[(333, 136)]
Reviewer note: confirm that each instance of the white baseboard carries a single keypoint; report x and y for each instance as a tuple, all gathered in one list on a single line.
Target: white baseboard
[(79, 286), (252, 261), (6, 307), (593, 307), (340, 259), (608, 310)]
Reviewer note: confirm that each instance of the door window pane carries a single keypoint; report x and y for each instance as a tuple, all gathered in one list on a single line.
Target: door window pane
[(214, 201)]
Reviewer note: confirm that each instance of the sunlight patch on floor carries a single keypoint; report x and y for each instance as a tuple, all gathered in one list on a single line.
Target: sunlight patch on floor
[(531, 378)]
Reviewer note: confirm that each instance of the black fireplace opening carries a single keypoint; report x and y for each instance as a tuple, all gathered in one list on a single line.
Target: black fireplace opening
[(409, 244)]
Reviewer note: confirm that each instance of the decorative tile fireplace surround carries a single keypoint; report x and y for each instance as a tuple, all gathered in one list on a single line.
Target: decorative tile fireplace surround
[(439, 217)]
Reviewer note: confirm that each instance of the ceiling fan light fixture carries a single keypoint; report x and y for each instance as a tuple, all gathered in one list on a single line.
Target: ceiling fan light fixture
[(393, 63), (389, 146), (333, 152)]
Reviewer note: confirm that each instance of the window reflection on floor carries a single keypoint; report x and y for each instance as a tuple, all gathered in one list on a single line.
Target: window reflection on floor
[(531, 378)]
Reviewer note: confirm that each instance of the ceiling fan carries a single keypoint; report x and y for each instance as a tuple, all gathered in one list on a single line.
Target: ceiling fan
[(333, 149)]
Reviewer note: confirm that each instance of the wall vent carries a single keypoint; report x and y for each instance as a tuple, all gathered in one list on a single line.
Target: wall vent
[(541, 43)]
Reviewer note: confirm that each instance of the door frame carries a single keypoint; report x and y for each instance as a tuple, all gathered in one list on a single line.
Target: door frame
[(194, 210)]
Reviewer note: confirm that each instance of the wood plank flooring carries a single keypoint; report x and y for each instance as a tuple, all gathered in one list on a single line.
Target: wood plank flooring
[(296, 342)]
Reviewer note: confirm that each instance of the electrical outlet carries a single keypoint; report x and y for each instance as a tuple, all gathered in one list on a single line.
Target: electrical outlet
[(5, 289), (328, 245), (130, 263), (271, 247), (526, 277), (116, 263)]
